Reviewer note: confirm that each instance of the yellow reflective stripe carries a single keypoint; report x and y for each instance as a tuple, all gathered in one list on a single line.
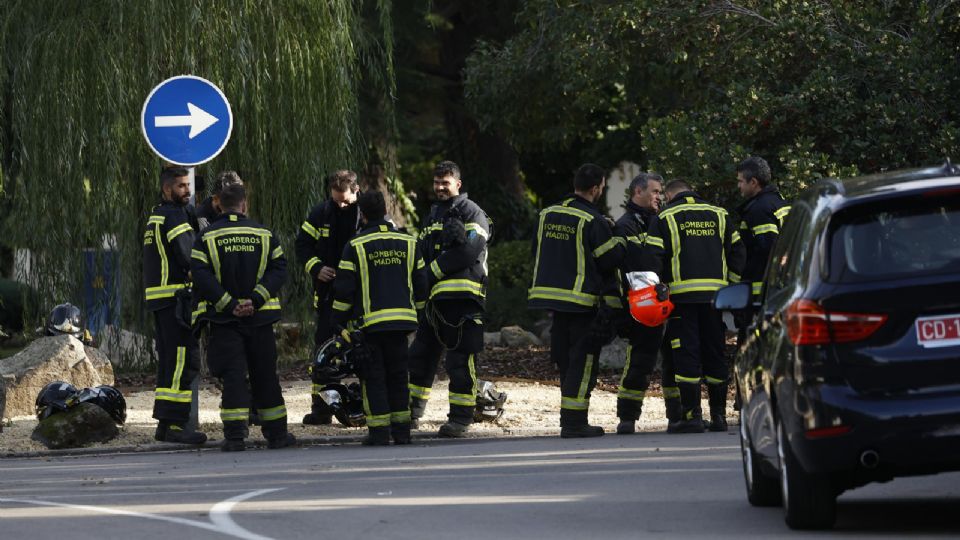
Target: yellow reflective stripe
[(675, 343), (654, 241), (639, 239), (223, 301), (723, 252), (311, 230), (264, 254), (177, 231), (201, 308), (262, 291), (156, 220), (471, 365), (735, 237), (411, 253), (277, 253), (457, 285), (574, 404), (675, 245), (316, 389), (765, 228), (233, 415), (570, 211), (420, 305), (713, 380), (756, 287), (613, 301), (217, 233), (585, 380), (341, 306), (378, 420), (347, 265), (273, 413), (464, 400), (476, 227), (361, 253), (386, 315), (782, 213), (178, 371), (435, 268), (165, 291), (690, 207), (400, 417), (324, 231), (419, 392), (563, 295), (164, 265), (176, 396), (626, 364), (379, 236), (310, 264), (696, 285), (633, 395), (214, 257), (420, 264), (273, 303), (733, 277), (687, 380), (199, 255), (581, 259), (607, 246), (671, 392), (536, 260)]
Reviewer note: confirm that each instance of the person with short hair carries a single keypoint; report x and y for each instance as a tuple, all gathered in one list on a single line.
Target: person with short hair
[(238, 269), (380, 286), (167, 242), (319, 245), (761, 216), (576, 258), (209, 208)]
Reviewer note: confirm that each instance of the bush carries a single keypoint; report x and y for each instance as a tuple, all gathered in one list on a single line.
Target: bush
[(510, 266)]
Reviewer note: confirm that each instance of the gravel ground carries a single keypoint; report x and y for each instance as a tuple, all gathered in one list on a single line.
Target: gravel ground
[(526, 375)]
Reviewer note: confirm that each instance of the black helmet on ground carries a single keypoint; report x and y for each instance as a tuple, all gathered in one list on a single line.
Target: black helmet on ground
[(333, 361), (107, 398), (65, 320), (55, 397)]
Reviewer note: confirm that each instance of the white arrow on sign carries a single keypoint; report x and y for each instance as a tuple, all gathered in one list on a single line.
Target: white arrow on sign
[(198, 120)]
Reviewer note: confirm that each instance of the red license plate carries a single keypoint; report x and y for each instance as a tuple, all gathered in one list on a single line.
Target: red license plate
[(943, 331)]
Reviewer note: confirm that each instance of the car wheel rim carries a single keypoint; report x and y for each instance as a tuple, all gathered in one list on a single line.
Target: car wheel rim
[(747, 455), (784, 482)]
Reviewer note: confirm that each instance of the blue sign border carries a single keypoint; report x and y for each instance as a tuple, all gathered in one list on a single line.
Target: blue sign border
[(143, 117)]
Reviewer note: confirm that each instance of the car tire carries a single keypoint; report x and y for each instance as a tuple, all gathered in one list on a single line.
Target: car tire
[(809, 500), (761, 489)]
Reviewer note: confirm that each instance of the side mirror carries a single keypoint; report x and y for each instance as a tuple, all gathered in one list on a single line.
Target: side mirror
[(732, 297)]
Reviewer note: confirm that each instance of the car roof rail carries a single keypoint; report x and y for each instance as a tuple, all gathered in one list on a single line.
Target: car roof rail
[(830, 186)]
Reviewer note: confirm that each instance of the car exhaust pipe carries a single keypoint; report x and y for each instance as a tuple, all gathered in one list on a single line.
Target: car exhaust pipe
[(870, 459)]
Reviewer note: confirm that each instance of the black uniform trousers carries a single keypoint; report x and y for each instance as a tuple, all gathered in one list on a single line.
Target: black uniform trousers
[(178, 363), (644, 344), (383, 379), (462, 342), (696, 336), (577, 357), (237, 352)]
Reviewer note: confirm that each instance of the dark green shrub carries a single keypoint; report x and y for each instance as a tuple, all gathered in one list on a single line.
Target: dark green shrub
[(510, 266)]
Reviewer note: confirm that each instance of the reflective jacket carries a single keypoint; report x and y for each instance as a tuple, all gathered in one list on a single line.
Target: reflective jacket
[(576, 255), (695, 248), (632, 228), (381, 280), (458, 272), (321, 239), (167, 241), (761, 218), (237, 258)]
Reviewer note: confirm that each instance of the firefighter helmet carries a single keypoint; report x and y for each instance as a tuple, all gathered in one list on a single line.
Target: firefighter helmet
[(489, 402), (107, 398), (55, 397), (346, 402), (649, 299), (332, 362), (65, 319)]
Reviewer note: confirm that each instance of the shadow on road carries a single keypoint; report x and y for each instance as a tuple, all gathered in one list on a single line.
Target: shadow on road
[(914, 515)]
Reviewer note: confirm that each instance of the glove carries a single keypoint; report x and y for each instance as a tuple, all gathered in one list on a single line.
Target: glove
[(454, 233), (602, 330)]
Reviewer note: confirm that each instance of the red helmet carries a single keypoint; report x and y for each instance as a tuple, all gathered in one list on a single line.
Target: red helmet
[(649, 299)]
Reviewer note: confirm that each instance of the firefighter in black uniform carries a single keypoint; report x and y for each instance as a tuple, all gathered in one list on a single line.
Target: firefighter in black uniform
[(761, 217), (380, 285), (646, 192), (320, 242), (576, 258), (166, 273), (209, 209), (453, 242), (697, 251), (238, 270)]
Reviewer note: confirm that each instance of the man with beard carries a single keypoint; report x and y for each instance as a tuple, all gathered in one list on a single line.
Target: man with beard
[(167, 243)]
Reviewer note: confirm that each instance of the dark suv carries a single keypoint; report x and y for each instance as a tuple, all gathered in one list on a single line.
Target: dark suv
[(850, 372)]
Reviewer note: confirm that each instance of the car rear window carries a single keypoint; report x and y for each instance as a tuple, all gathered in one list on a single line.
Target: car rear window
[(914, 235)]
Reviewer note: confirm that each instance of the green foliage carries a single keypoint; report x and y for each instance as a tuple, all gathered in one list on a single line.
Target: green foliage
[(74, 76), (510, 267)]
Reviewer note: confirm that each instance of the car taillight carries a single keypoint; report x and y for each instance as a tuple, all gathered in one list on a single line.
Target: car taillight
[(809, 324)]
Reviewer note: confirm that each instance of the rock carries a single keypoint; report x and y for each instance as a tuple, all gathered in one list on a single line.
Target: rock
[(48, 359), (542, 328), (514, 336), (491, 339), (78, 426), (614, 355), (124, 347)]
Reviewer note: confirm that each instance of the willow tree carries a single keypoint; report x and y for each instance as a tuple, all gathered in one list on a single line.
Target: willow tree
[(77, 176)]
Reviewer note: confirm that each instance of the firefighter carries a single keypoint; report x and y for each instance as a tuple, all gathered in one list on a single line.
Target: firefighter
[(238, 269), (761, 217), (696, 251), (380, 285), (209, 209), (576, 257), (320, 242), (646, 192), (166, 273), (453, 242)]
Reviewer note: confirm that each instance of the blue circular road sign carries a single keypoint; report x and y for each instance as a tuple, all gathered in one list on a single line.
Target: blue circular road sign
[(186, 120)]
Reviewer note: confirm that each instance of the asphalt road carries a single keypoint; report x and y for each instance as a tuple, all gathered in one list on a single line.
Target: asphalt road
[(647, 485)]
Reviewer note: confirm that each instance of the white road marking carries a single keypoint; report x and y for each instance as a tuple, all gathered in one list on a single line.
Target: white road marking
[(220, 521)]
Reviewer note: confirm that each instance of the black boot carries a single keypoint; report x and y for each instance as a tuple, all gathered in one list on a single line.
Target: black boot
[(626, 426), (573, 425), (453, 430), (283, 441), (377, 436), (176, 433), (674, 409), (400, 433), (691, 421), (233, 445), (718, 406), (417, 408), (320, 413)]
